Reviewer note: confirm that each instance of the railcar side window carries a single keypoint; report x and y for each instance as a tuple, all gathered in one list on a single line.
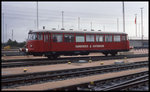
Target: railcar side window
[(89, 38), (116, 38), (80, 38), (123, 38), (57, 38), (108, 38), (99, 38), (40, 36), (45, 37), (35, 36), (68, 38), (49, 37)]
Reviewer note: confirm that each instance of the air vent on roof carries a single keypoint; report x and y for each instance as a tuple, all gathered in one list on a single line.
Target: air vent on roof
[(70, 29), (92, 29), (99, 30), (43, 27), (30, 31), (53, 28), (84, 29), (62, 29)]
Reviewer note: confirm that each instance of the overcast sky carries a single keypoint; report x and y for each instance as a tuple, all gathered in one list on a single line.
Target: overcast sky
[(22, 16)]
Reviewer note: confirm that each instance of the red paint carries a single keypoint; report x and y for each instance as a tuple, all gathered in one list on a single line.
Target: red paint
[(42, 46)]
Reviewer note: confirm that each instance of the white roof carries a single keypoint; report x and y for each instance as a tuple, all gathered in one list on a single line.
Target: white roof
[(76, 31)]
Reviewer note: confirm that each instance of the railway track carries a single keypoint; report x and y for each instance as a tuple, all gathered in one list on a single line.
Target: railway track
[(12, 63), (127, 82), (15, 52), (48, 76)]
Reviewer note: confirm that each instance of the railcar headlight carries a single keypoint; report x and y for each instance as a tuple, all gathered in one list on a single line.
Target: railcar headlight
[(20, 49), (31, 45), (26, 50)]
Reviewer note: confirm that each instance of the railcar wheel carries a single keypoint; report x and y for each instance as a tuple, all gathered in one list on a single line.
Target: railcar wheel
[(106, 54), (55, 56), (113, 53), (50, 57)]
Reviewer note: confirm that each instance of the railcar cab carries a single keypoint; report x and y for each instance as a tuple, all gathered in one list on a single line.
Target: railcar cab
[(30, 45), (38, 43), (34, 43)]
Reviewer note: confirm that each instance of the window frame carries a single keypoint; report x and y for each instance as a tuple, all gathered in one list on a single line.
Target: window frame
[(124, 37), (115, 36), (56, 37), (69, 39), (80, 35), (107, 35), (49, 37), (41, 36), (90, 35), (98, 37), (33, 36), (46, 35)]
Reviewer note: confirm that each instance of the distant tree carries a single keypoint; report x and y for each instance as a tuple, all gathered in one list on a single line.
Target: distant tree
[(9, 42), (15, 43), (21, 44)]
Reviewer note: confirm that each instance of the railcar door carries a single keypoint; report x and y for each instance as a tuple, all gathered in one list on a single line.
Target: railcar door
[(46, 42), (124, 41)]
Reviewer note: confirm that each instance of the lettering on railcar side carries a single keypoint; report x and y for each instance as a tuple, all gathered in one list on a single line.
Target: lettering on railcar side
[(86, 46), (81, 46), (94, 46)]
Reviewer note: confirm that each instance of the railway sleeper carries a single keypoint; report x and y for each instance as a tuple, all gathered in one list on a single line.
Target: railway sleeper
[(78, 73), (51, 57)]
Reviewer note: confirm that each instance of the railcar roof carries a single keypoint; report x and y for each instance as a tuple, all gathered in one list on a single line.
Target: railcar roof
[(75, 31)]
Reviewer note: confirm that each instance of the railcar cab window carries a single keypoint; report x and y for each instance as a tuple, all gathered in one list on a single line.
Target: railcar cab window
[(32, 36), (89, 38), (116, 38), (57, 38), (68, 38), (99, 38), (80, 38), (108, 38)]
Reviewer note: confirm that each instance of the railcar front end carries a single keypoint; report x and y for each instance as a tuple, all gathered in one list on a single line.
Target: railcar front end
[(34, 46)]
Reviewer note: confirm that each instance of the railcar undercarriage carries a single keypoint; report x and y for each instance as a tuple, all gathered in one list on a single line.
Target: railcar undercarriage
[(54, 55)]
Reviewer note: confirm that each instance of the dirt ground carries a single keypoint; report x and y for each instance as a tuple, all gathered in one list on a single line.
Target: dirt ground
[(30, 69), (69, 82)]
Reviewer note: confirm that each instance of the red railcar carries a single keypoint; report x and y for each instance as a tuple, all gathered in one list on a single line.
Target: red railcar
[(53, 43)]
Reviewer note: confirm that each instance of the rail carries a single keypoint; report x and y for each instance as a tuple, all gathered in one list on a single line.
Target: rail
[(8, 64), (9, 80), (110, 84)]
